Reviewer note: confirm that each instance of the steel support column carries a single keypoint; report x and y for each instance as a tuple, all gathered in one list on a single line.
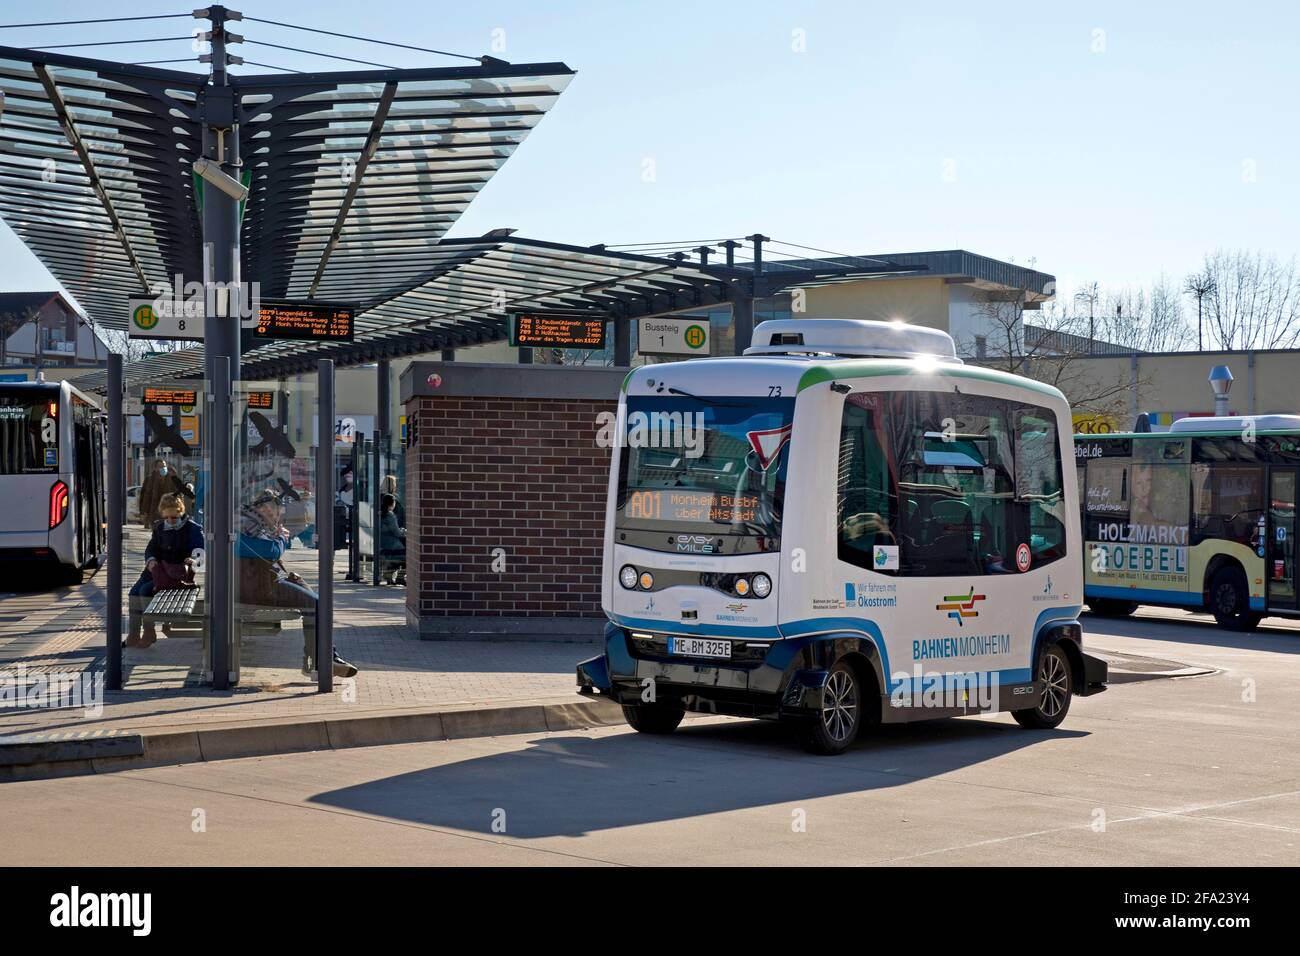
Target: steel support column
[(382, 446), (384, 396), (354, 515), (376, 475), (623, 342), (325, 525), (219, 524), (742, 315), (221, 345), (116, 506)]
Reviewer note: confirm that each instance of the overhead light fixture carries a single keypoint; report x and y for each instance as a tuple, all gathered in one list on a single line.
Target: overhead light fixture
[(214, 174)]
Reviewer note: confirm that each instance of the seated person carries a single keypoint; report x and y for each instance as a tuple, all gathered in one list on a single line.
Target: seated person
[(389, 486), (168, 562), (264, 581), (392, 536)]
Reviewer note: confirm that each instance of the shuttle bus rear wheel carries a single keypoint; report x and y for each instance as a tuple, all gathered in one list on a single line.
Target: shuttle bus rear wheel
[(1054, 697), (656, 718)]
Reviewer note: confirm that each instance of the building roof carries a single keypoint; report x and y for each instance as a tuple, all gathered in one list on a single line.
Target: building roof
[(950, 264), (22, 303), (1057, 342)]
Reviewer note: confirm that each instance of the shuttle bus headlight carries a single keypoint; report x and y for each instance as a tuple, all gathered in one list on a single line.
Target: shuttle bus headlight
[(627, 577), (741, 586), (762, 585), (647, 580)]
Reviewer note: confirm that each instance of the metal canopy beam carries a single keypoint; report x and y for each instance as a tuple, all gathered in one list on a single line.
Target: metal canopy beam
[(468, 281), (367, 154)]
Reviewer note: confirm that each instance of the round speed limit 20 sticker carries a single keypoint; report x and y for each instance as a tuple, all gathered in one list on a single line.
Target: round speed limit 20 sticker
[(1022, 557)]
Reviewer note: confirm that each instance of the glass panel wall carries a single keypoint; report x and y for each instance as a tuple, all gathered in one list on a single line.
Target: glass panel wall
[(276, 514), (164, 558)]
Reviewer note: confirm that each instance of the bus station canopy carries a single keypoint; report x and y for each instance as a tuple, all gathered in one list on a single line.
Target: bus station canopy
[(96, 177), (354, 179), (477, 282)]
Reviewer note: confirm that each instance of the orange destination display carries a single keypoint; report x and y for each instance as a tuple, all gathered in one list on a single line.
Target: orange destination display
[(304, 322), (261, 399), (554, 330), (169, 396), (692, 506)]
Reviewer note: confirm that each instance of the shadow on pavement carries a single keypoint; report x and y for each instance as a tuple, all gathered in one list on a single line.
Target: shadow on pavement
[(571, 786), (1278, 639), (36, 578)]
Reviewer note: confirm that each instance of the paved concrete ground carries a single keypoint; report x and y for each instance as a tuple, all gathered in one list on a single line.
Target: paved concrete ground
[(1185, 771), (49, 629)]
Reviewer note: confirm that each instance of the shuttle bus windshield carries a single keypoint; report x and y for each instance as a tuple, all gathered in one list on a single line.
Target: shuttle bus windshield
[(710, 469)]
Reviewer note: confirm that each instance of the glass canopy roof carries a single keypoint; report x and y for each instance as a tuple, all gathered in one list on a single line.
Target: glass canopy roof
[(354, 179), (345, 168)]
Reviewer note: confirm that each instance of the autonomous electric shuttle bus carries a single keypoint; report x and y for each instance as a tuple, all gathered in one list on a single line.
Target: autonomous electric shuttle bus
[(845, 525)]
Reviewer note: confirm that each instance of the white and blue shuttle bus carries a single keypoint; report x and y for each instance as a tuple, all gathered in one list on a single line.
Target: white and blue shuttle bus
[(51, 480), (844, 526)]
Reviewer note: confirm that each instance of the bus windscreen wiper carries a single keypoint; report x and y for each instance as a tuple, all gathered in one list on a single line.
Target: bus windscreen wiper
[(706, 401)]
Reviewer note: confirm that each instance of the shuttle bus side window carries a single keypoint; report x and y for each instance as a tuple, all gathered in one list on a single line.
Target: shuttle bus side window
[(957, 483), (1039, 484), (867, 499)]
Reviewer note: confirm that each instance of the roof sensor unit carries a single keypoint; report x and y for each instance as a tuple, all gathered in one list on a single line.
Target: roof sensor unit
[(851, 337)]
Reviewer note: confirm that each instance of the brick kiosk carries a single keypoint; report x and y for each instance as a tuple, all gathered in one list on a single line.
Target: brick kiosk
[(505, 457)]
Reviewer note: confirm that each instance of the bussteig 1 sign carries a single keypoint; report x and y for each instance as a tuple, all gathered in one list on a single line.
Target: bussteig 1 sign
[(673, 336)]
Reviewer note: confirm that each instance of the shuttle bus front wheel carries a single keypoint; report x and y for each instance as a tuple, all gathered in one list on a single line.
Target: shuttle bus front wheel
[(836, 727), (656, 718), (1054, 697)]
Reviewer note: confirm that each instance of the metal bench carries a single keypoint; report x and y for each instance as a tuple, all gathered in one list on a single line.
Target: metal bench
[(176, 608)]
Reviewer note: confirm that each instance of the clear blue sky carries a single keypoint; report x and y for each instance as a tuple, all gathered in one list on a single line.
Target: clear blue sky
[(994, 127)]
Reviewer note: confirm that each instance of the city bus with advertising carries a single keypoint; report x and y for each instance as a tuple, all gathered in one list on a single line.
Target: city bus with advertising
[(1202, 516), (842, 527), (51, 480)]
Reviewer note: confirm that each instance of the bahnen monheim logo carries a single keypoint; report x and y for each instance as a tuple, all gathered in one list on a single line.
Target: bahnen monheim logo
[(960, 606)]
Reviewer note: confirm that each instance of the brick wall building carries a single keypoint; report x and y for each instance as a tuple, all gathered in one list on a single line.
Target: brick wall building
[(505, 499)]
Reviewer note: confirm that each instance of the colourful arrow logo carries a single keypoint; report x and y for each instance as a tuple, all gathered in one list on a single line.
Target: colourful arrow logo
[(960, 606)]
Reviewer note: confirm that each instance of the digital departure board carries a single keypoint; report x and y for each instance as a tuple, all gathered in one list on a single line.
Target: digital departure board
[(261, 399), (553, 330), (676, 506), (304, 322), (169, 396)]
